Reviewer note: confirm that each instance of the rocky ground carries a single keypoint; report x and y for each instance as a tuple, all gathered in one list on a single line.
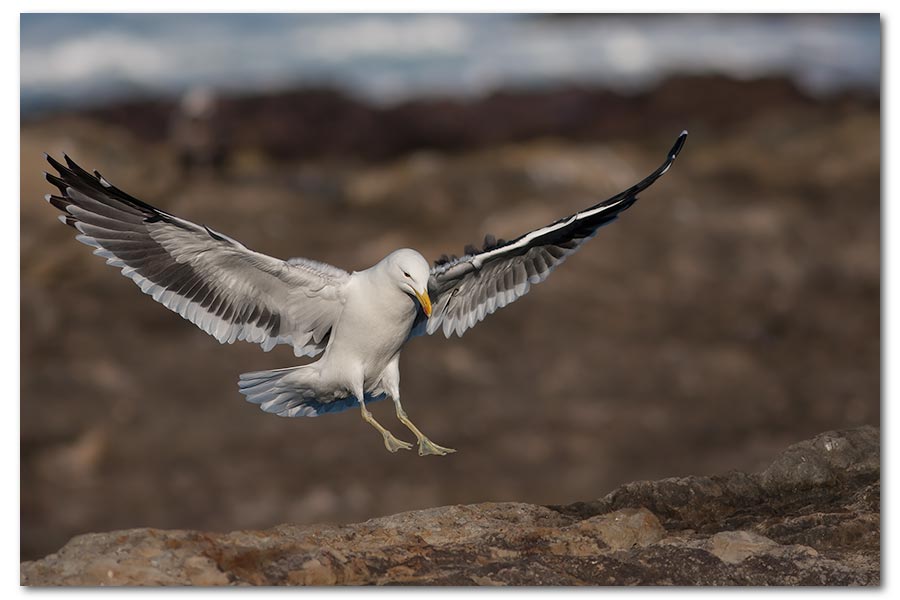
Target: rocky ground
[(734, 310), (812, 517)]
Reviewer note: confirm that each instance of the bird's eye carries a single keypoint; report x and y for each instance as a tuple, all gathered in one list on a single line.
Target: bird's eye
[(405, 274)]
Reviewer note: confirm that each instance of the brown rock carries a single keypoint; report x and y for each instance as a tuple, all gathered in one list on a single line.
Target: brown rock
[(823, 530), (626, 528), (734, 546)]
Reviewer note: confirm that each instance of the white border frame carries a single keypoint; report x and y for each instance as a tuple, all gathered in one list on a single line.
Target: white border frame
[(9, 25)]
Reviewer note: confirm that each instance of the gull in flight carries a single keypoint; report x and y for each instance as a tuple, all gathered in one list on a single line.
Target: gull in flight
[(359, 321)]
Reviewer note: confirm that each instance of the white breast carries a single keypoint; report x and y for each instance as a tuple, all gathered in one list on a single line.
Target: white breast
[(373, 326)]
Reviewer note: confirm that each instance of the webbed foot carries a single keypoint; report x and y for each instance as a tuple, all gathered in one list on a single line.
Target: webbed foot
[(427, 447), (393, 444)]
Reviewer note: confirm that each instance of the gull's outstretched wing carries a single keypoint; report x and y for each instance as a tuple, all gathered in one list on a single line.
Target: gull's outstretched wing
[(227, 290), (465, 290)]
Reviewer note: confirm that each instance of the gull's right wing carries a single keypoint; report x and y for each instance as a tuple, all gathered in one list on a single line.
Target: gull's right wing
[(226, 289)]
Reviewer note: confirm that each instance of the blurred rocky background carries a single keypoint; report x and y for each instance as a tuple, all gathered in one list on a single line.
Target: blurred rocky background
[(732, 312)]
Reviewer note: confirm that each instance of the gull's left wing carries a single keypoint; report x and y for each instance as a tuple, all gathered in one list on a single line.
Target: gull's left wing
[(465, 290)]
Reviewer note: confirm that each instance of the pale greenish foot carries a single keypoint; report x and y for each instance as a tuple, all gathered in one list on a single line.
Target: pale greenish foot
[(427, 447), (393, 444)]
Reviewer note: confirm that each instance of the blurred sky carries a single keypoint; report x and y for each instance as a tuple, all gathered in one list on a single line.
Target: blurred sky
[(69, 60)]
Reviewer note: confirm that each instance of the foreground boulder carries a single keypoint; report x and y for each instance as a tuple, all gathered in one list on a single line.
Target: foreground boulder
[(811, 518)]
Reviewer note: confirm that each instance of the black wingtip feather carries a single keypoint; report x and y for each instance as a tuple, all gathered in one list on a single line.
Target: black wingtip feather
[(55, 164), (81, 172), (56, 182), (679, 144), (78, 170), (56, 201)]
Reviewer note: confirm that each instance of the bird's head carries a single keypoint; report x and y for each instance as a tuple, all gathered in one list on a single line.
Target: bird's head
[(410, 271)]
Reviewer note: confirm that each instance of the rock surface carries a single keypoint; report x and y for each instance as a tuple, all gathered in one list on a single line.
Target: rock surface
[(811, 518)]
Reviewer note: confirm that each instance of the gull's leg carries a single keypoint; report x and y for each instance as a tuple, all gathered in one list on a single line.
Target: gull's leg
[(391, 381), (426, 446), (390, 442)]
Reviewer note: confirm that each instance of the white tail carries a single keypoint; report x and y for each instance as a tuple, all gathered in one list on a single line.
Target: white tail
[(283, 392)]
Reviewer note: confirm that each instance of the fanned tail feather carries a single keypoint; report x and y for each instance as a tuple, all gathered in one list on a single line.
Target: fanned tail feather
[(290, 398)]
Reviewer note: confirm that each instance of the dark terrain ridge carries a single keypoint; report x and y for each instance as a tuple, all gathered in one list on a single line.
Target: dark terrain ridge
[(811, 518), (317, 123)]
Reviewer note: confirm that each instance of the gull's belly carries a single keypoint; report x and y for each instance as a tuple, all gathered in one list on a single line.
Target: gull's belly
[(368, 336)]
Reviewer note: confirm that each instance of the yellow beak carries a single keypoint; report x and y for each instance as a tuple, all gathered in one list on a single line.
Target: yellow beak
[(425, 301)]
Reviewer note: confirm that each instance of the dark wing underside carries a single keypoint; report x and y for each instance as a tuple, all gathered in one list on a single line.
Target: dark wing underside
[(465, 290)]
